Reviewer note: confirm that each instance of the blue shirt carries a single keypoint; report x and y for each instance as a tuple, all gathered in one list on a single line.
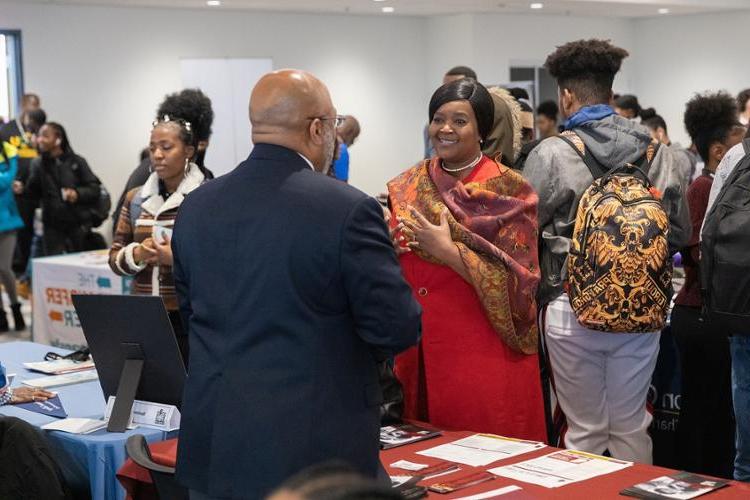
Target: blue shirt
[(341, 166)]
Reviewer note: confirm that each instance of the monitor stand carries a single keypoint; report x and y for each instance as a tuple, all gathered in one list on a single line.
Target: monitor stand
[(130, 377)]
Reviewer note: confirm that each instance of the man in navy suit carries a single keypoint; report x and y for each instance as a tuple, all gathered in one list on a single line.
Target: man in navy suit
[(292, 294)]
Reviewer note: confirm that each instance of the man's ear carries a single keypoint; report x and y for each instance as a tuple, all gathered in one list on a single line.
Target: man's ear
[(315, 131)]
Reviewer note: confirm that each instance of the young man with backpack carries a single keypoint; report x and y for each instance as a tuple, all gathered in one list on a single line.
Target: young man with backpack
[(725, 280), (615, 265)]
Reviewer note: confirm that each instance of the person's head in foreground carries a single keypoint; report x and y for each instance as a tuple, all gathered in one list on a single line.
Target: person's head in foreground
[(332, 481), (292, 108)]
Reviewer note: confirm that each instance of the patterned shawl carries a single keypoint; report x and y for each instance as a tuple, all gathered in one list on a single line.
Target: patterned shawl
[(494, 225)]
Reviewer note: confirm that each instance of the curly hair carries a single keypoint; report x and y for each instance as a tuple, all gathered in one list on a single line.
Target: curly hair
[(587, 68), (190, 105), (710, 118)]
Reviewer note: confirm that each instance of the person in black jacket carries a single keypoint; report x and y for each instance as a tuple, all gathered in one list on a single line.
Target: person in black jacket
[(190, 105), (62, 182)]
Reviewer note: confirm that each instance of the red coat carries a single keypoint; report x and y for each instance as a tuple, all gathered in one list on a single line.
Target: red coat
[(462, 375)]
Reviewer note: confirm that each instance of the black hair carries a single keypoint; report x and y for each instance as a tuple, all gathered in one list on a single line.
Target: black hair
[(525, 106), (652, 120), (472, 91), (464, 71), (518, 93), (37, 116), (60, 132), (587, 68), (337, 480), (189, 105), (184, 129), (629, 101), (742, 99), (710, 118), (548, 109)]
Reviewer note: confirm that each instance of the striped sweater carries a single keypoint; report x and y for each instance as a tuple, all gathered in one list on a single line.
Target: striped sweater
[(155, 218)]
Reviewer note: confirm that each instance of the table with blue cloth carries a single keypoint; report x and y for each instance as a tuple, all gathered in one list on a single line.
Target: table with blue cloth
[(89, 462)]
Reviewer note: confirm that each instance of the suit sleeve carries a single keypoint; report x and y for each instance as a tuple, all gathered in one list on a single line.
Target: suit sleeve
[(385, 312), (179, 271)]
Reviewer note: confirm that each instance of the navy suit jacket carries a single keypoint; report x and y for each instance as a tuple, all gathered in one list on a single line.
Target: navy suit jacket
[(292, 292)]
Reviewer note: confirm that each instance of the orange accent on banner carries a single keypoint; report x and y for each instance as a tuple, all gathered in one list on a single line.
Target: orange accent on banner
[(56, 316)]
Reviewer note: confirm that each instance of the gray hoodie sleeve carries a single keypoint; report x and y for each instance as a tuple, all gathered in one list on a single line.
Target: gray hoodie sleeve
[(665, 176)]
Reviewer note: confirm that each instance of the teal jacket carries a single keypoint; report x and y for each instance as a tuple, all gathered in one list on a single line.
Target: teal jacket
[(9, 217)]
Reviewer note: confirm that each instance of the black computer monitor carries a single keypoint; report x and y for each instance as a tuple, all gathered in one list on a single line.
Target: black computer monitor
[(134, 350)]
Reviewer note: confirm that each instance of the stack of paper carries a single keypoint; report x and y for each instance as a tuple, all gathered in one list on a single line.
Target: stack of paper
[(76, 425), (60, 366), (58, 380), (481, 449)]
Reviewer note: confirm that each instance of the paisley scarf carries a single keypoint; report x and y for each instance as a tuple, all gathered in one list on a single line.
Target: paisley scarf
[(493, 223)]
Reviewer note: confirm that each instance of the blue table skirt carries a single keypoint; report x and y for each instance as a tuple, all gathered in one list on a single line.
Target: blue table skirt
[(91, 459)]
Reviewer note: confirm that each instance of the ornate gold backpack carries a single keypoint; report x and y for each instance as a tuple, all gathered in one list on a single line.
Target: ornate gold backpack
[(619, 267)]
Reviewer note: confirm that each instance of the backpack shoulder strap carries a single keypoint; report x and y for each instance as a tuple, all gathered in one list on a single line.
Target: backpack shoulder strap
[(135, 208), (746, 145), (574, 141), (648, 158)]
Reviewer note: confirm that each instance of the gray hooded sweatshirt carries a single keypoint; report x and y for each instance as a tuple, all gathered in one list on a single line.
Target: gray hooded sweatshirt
[(560, 177)]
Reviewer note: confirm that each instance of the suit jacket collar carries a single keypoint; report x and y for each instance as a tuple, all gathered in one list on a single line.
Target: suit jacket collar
[(282, 154)]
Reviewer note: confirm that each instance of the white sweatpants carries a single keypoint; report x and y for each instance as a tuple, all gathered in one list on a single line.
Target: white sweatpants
[(601, 383)]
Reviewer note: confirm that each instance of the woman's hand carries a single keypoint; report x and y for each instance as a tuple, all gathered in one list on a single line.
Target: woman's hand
[(434, 239), (397, 238), (145, 252), (164, 251), (70, 195), (29, 394)]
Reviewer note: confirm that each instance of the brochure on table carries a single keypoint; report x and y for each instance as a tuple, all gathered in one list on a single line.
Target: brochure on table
[(680, 486), (60, 366), (481, 449), (59, 380), (561, 468)]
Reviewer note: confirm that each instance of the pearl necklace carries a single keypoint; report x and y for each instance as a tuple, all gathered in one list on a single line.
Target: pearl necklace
[(465, 167)]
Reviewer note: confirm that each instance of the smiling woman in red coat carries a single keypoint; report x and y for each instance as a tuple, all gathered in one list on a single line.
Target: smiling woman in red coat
[(466, 230)]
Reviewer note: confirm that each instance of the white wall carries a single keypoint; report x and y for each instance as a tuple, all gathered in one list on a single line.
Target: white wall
[(496, 40), (679, 56), (103, 71)]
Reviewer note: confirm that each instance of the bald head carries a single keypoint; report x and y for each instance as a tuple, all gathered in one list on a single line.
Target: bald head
[(283, 101), (292, 108)]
